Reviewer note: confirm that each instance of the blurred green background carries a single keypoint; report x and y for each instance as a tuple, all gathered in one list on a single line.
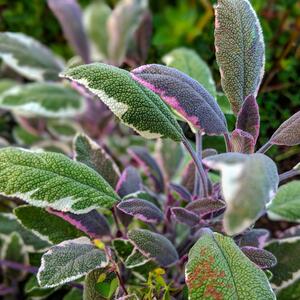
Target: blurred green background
[(190, 23)]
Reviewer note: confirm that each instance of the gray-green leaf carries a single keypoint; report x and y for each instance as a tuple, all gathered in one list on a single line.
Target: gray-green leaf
[(240, 50), (53, 180), (137, 106), (43, 100), (28, 57), (69, 261)]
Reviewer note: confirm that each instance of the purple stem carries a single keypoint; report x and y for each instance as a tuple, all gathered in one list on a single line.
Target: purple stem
[(18, 266), (264, 148), (288, 174), (199, 166), (197, 190)]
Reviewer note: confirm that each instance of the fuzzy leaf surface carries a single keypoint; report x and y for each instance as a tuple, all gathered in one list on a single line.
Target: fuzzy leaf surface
[(42, 100), (218, 269), (185, 95), (189, 62), (135, 105), (28, 57), (262, 258), (288, 133), (69, 261), (240, 50), (248, 182), (53, 180), (154, 245), (48, 227)]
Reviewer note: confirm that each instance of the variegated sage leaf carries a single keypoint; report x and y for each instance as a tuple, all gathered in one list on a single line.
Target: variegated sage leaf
[(184, 216), (93, 223), (9, 223), (69, 261), (46, 226), (121, 26), (286, 204), (64, 130), (53, 180), (242, 141), (28, 57), (189, 62), (93, 155), (288, 134), (185, 95), (95, 19), (256, 237), (154, 245), (142, 210), (43, 100), (69, 15), (205, 206), (248, 182), (248, 118), (262, 258), (240, 50), (135, 105), (218, 269), (286, 272)]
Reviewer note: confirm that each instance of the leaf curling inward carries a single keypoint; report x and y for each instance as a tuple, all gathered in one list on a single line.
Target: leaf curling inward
[(240, 50), (185, 95), (136, 106)]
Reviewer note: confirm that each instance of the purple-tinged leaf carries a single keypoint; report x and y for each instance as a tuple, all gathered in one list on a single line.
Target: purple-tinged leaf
[(262, 258), (188, 177), (142, 210), (184, 216), (288, 134), (181, 191), (154, 245), (290, 232), (242, 141), (185, 95), (205, 206), (150, 166), (240, 50), (93, 223), (209, 152), (255, 238), (248, 119), (138, 49), (69, 15), (94, 156), (130, 182)]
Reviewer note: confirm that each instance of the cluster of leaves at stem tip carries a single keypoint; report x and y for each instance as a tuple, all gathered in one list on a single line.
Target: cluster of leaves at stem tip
[(119, 217)]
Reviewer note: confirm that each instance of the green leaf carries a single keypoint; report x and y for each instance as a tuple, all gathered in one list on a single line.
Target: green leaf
[(63, 129), (9, 223), (95, 20), (73, 294), (53, 180), (43, 100), (14, 250), (47, 226), (248, 182), (32, 289), (6, 84), (218, 269), (69, 261), (189, 62), (291, 292), (28, 57), (94, 156), (24, 137), (224, 104), (135, 105), (240, 50), (286, 204), (287, 270), (121, 25), (154, 245)]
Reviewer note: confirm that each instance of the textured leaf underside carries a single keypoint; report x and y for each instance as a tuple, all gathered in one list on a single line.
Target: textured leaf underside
[(240, 50), (217, 269), (136, 106)]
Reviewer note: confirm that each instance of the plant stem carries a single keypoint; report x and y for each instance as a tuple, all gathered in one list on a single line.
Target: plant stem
[(288, 174), (228, 142), (198, 165), (197, 190), (264, 148), (17, 266)]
